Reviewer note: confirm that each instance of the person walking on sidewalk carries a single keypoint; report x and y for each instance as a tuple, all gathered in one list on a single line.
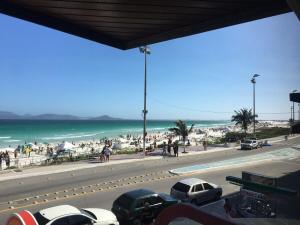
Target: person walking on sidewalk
[(102, 154), (7, 159), (175, 148), (169, 145), (107, 152), (164, 148), (205, 145)]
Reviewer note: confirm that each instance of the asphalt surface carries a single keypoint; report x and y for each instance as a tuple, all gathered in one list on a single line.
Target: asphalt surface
[(100, 186)]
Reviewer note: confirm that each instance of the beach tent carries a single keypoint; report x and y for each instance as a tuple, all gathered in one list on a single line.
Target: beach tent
[(66, 145)]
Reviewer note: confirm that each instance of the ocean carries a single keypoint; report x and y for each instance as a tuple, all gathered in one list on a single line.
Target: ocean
[(16, 132)]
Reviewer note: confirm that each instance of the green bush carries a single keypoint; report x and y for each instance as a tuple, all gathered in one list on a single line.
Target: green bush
[(126, 151), (234, 136), (264, 133)]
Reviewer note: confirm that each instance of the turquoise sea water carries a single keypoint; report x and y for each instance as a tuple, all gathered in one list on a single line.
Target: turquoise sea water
[(16, 132)]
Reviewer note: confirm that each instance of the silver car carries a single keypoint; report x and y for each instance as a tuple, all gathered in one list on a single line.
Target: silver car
[(249, 144), (196, 191)]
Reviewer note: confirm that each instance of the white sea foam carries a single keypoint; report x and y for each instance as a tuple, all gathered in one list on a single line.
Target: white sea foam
[(158, 128), (5, 137), (71, 136), (12, 140)]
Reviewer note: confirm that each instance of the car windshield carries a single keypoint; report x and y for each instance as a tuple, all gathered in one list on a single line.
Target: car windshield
[(40, 219), (88, 213), (124, 201), (181, 187), (248, 142)]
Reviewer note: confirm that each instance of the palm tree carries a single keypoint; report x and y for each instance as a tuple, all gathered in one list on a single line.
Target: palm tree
[(243, 117), (181, 130)]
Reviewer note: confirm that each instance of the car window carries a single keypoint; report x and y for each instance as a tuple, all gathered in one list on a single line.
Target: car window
[(140, 203), (125, 201), (40, 219), (207, 186), (153, 200), (79, 220), (61, 221), (181, 187), (198, 187)]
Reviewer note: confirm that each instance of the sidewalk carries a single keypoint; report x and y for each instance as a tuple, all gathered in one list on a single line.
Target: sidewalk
[(115, 159)]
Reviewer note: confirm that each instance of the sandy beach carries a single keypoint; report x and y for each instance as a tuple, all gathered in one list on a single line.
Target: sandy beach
[(123, 144)]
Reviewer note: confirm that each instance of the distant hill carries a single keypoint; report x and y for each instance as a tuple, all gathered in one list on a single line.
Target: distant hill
[(54, 117), (105, 117), (12, 116), (8, 115)]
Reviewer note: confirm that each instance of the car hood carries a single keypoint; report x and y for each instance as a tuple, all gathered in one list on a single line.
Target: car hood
[(102, 214)]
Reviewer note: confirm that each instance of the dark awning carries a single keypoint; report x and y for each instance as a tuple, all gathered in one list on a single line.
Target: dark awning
[(127, 24), (260, 187)]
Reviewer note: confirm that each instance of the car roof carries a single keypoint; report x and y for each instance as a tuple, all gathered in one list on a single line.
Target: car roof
[(192, 181), (57, 211), (139, 193)]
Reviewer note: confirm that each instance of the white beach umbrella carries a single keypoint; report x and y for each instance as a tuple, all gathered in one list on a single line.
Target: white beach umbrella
[(65, 145), (7, 149), (33, 146)]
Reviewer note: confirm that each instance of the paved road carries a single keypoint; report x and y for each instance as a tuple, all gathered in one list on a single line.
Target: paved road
[(99, 186)]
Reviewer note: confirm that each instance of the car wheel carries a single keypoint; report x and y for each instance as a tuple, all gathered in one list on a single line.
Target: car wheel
[(136, 222)]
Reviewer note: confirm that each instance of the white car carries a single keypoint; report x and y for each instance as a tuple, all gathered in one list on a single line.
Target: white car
[(196, 191), (249, 144), (70, 215)]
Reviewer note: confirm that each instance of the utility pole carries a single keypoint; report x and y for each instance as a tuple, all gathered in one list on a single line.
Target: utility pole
[(146, 51), (253, 81), (299, 111)]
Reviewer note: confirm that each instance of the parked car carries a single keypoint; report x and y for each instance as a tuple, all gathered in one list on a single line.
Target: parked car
[(70, 215), (196, 191), (135, 206), (249, 144)]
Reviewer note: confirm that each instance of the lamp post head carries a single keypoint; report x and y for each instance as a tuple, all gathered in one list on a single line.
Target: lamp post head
[(145, 49), (253, 81)]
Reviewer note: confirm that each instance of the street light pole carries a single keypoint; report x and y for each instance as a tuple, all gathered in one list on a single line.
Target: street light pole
[(146, 51), (253, 81), (293, 118), (299, 111)]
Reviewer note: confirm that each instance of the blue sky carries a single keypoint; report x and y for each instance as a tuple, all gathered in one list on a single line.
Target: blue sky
[(204, 76)]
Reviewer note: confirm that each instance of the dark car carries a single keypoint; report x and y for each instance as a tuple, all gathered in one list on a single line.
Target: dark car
[(134, 207)]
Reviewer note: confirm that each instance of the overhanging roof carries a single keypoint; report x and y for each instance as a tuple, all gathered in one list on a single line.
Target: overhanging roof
[(127, 24)]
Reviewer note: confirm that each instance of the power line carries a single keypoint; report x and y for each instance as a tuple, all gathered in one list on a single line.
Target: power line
[(205, 111)]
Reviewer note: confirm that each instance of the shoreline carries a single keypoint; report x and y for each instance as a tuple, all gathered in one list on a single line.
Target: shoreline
[(124, 141), (78, 133)]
